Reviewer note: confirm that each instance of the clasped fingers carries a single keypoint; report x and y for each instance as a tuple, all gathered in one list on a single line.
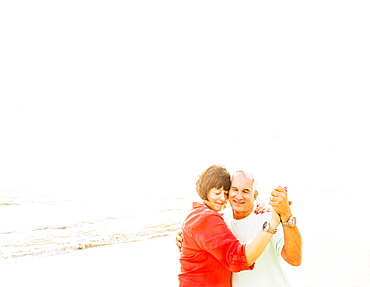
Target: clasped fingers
[(279, 200)]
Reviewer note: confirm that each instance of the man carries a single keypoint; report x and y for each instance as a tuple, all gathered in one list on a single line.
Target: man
[(244, 224)]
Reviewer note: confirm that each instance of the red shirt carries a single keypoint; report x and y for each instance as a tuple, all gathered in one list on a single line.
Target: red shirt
[(210, 252)]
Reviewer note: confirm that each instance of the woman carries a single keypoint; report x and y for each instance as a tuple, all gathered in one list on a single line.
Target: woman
[(210, 252)]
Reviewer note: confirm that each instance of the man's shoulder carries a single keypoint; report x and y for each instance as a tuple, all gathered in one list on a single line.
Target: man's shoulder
[(262, 216), (250, 219)]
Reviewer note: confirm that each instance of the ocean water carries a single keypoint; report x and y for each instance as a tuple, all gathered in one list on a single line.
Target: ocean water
[(38, 224)]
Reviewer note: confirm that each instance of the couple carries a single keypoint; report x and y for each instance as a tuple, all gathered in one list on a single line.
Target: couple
[(211, 247)]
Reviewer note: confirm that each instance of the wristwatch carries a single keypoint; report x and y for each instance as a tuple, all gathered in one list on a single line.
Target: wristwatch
[(290, 223), (267, 228)]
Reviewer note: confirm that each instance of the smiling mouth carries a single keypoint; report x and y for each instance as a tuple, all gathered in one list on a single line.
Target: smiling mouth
[(238, 202)]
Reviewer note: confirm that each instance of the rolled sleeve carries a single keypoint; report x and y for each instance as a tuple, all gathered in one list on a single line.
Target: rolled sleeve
[(214, 236)]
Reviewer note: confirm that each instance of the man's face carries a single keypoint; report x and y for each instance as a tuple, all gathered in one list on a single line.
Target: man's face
[(242, 195)]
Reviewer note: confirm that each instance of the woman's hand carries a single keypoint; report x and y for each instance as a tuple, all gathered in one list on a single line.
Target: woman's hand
[(279, 201), (275, 219)]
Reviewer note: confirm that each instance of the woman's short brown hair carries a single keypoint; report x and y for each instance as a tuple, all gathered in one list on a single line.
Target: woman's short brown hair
[(216, 176)]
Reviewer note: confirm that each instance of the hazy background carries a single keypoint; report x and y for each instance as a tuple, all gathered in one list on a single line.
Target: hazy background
[(136, 98)]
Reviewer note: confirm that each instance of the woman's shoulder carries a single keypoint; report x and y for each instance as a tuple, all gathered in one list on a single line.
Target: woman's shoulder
[(201, 212), (199, 208)]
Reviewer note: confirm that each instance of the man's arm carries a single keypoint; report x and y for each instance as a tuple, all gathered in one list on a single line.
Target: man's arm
[(292, 249)]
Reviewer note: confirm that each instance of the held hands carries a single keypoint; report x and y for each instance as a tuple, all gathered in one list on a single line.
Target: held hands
[(280, 203)]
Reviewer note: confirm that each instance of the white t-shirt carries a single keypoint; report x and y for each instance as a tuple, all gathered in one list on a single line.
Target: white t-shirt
[(268, 270)]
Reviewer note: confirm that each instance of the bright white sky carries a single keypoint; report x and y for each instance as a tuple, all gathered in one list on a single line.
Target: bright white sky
[(100, 95)]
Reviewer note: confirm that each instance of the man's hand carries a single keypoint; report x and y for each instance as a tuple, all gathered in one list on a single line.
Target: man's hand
[(179, 239), (279, 201)]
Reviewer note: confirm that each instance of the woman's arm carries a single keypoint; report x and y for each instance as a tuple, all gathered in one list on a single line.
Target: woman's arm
[(255, 247), (212, 235)]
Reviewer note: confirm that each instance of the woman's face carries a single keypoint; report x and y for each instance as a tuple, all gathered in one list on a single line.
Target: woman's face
[(217, 199)]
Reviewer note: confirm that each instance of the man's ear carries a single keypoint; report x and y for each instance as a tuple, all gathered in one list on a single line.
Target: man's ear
[(255, 194)]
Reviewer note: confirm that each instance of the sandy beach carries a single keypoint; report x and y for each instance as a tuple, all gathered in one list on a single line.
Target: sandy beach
[(154, 262)]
